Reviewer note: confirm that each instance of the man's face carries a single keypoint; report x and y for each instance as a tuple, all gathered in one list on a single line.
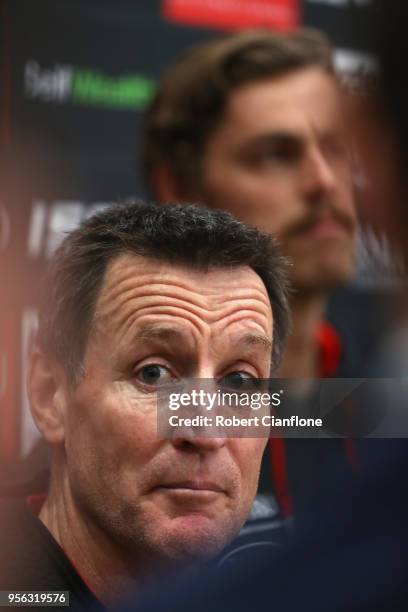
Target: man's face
[(156, 323), (278, 160)]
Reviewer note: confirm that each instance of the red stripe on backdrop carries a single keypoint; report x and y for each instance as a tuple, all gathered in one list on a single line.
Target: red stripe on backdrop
[(9, 387), (233, 14)]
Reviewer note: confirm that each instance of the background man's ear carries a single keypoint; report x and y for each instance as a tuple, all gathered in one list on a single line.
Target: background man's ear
[(46, 389), (167, 188)]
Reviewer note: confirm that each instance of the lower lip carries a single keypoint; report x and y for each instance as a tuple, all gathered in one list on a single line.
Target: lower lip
[(327, 229), (192, 493)]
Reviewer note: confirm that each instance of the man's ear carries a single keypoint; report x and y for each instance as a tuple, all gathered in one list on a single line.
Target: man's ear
[(46, 387), (167, 188)]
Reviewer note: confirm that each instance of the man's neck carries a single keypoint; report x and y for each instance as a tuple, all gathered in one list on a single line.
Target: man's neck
[(100, 564), (301, 358)]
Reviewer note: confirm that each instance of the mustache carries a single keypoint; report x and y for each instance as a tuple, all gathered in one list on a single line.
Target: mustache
[(307, 221)]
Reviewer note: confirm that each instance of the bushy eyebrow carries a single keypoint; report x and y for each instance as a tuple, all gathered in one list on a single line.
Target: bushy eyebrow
[(251, 339), (280, 137), (293, 142), (159, 332)]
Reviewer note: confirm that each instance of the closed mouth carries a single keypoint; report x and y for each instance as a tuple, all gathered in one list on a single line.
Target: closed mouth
[(327, 227), (192, 485)]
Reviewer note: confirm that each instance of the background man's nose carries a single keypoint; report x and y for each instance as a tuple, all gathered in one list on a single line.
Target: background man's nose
[(318, 177)]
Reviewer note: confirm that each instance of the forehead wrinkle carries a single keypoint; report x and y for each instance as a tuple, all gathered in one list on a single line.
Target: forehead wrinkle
[(124, 290), (201, 322), (117, 306), (201, 325), (241, 305), (134, 301), (132, 319), (127, 295), (162, 274), (129, 289), (262, 320), (244, 297), (112, 304), (248, 290)]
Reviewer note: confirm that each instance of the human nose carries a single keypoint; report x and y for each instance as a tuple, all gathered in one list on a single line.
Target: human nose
[(201, 434), (194, 443), (318, 177)]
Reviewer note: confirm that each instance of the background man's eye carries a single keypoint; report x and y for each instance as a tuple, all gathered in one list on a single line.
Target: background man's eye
[(237, 380), (154, 374), (278, 154)]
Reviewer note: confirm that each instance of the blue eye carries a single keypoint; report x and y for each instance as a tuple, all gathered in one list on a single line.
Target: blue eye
[(154, 374), (238, 380)]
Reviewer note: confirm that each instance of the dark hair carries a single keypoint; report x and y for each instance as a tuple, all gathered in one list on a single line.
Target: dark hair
[(194, 91), (190, 235)]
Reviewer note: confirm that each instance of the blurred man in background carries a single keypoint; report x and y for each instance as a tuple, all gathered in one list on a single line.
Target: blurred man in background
[(253, 124)]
